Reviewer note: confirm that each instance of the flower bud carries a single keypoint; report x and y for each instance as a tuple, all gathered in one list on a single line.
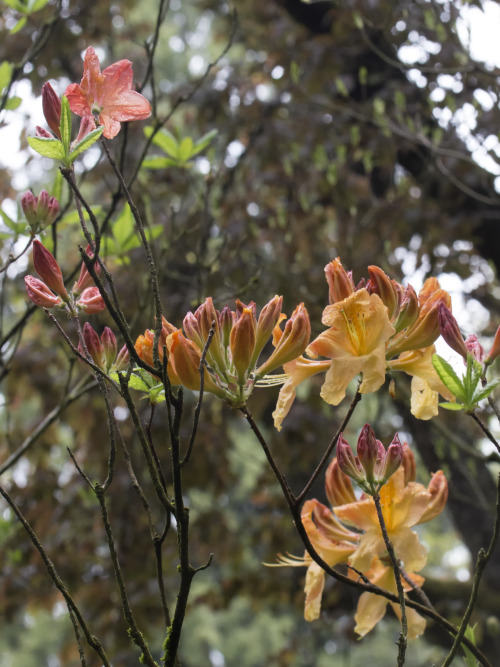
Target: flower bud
[(340, 281), (28, 205), (144, 347), (93, 344), (386, 288), (51, 106), (42, 133), (226, 321), (191, 327), (408, 309), (40, 294), (87, 125), (85, 280), (268, 318), (392, 459), (122, 359), (292, 343), (409, 464), (109, 347), (475, 348), (48, 269), (338, 486), (242, 343), (370, 452), (450, 330), (495, 349), (349, 464), (185, 357), (91, 301)]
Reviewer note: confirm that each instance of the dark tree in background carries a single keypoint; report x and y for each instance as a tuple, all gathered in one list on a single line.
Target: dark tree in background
[(352, 129)]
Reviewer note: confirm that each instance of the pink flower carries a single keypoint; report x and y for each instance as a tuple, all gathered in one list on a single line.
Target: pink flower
[(109, 94), (40, 294)]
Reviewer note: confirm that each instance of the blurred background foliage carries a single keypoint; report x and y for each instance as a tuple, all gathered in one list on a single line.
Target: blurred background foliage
[(365, 130)]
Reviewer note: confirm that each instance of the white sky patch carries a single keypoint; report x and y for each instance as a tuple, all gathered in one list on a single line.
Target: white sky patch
[(478, 31)]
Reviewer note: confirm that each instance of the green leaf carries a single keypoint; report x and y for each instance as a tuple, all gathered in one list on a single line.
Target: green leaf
[(185, 149), (5, 74), (485, 391), (15, 4), (86, 142), (123, 228), (203, 142), (36, 5), (159, 162), (452, 406), (448, 377), (470, 660), (12, 103), (52, 148), (157, 394), (164, 140), (19, 25), (16, 227), (65, 124)]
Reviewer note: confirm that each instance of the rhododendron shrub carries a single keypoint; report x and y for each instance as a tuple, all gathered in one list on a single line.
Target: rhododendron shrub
[(165, 366)]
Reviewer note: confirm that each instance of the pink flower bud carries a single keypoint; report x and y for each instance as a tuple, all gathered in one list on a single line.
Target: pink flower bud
[(122, 359), (42, 133), (28, 205), (450, 330), (85, 279), (226, 321), (109, 347), (42, 207), (268, 319), (91, 301), (370, 452), (393, 457), (386, 288), (338, 486), (40, 294), (292, 343), (475, 348), (53, 211), (87, 125), (340, 282), (51, 106), (93, 344), (349, 464), (408, 309), (48, 269)]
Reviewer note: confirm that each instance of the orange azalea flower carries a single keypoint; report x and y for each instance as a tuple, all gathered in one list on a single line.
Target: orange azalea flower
[(109, 94), (355, 342), (350, 533)]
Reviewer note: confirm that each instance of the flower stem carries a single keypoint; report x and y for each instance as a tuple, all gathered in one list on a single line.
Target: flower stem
[(397, 575)]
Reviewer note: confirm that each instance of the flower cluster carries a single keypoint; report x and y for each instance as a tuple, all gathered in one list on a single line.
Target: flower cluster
[(350, 532), (375, 327), (50, 292), (39, 211), (104, 350), (237, 340)]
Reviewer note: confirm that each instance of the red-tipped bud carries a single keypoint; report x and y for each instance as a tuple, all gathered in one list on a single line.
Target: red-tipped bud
[(85, 280), (450, 330), (28, 205), (48, 269), (386, 288), (87, 124), (349, 464), (242, 343), (122, 359), (226, 321), (91, 301), (495, 349), (268, 319), (292, 343), (370, 451), (185, 357), (475, 348), (40, 294), (51, 106), (109, 347), (42, 133), (408, 309), (192, 330), (338, 486), (340, 283), (393, 457), (93, 344)]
